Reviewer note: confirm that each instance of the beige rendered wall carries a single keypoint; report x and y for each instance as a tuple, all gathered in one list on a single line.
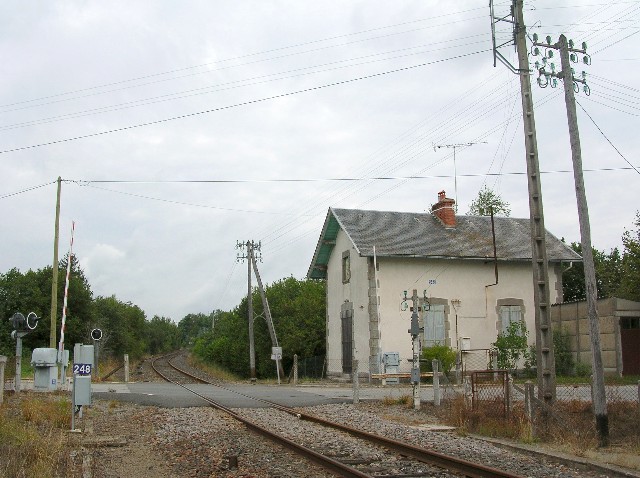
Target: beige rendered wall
[(465, 280), (356, 291)]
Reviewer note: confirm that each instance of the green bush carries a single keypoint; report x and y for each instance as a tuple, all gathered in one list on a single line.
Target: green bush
[(511, 346), (565, 364), (446, 356), (530, 362), (583, 369)]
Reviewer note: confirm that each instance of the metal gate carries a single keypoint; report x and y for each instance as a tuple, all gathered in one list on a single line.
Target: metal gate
[(490, 392), (346, 315)]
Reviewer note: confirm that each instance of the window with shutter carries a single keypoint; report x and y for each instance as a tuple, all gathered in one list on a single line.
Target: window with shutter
[(508, 315), (434, 329)]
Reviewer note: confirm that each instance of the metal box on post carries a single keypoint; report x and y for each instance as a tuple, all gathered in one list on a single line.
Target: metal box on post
[(45, 377), (391, 364), (82, 366)]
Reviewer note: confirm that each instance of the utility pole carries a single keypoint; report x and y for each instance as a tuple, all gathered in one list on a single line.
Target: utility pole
[(268, 318), (252, 350), (54, 279), (455, 172), (250, 255), (541, 295), (567, 56)]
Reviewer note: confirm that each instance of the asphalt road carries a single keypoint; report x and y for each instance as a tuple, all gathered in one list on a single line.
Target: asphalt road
[(239, 395)]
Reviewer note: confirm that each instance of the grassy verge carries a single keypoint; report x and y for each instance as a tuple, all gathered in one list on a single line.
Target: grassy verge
[(212, 369), (33, 436)]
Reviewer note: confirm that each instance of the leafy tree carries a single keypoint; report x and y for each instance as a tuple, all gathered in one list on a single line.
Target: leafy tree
[(608, 269), (31, 292), (162, 335), (630, 281), (125, 324), (298, 311), (511, 346), (193, 326), (488, 199), (228, 345)]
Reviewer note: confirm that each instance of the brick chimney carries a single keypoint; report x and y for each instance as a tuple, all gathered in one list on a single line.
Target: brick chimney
[(444, 210)]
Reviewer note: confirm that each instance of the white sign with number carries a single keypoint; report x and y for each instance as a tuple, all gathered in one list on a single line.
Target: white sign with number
[(82, 369), (276, 353)]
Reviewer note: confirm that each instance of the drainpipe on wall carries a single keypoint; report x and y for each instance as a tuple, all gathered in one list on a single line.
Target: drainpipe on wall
[(375, 278), (495, 265)]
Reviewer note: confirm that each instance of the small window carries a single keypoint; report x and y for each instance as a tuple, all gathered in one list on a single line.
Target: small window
[(508, 315), (346, 267), (630, 323), (434, 333)]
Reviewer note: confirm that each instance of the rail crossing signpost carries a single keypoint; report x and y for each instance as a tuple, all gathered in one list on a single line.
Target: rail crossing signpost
[(22, 326), (276, 354), (82, 367)]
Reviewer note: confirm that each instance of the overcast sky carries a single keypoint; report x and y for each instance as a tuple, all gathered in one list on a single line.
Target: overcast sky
[(141, 106)]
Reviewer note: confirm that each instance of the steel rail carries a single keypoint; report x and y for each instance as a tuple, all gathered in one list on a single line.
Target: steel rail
[(450, 463), (322, 460)]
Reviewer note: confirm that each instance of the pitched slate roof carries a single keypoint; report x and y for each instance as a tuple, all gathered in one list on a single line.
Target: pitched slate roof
[(405, 234)]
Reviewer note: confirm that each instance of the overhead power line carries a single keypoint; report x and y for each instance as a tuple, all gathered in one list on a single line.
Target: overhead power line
[(244, 103), (27, 190), (230, 85), (249, 55), (608, 140), (84, 182)]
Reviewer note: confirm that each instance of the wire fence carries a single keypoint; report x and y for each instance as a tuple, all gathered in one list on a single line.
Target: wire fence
[(494, 394), (313, 368)]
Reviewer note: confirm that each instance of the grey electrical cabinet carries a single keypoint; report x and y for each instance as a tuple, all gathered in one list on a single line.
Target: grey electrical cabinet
[(45, 376), (82, 389), (391, 364), (82, 367)]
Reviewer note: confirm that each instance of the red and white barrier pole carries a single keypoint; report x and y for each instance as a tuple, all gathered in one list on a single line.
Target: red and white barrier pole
[(64, 313)]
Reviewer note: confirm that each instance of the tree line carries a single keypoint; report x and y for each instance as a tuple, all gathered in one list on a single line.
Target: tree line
[(298, 308), (125, 326), (617, 272)]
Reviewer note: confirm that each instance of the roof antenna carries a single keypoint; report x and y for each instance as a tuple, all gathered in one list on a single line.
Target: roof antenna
[(455, 172)]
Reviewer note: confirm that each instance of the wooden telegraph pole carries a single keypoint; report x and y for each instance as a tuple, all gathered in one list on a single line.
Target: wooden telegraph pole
[(541, 295), (545, 78), (54, 279)]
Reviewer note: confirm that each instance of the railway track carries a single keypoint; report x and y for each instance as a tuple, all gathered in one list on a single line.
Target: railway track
[(374, 455)]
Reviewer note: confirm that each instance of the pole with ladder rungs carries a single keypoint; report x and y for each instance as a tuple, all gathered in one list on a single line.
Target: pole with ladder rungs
[(540, 265)]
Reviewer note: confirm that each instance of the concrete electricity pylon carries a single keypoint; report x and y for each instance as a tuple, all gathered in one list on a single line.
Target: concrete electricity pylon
[(252, 349), (568, 55), (541, 292), (252, 255), (455, 171)]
